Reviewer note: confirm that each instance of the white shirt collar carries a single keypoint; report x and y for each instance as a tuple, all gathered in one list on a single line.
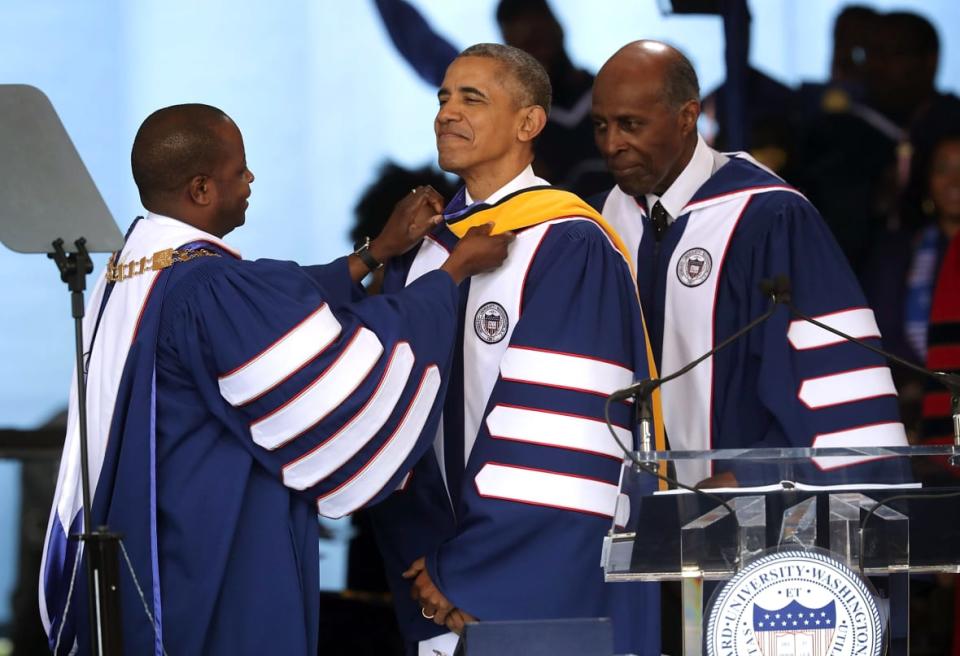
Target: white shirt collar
[(693, 176), (525, 179)]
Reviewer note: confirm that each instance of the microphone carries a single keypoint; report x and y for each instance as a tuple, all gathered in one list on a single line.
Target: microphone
[(950, 381), (776, 290)]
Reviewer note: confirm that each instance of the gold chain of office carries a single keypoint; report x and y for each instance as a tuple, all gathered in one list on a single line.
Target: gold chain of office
[(156, 262)]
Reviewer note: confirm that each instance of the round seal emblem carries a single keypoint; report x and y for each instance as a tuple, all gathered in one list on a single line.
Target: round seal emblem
[(794, 602), (491, 322), (694, 267)]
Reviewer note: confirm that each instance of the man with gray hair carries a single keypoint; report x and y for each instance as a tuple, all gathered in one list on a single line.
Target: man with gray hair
[(706, 229), (504, 519)]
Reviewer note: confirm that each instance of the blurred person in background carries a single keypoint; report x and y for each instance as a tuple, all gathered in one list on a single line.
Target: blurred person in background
[(768, 118), (865, 133), (565, 152), (901, 274)]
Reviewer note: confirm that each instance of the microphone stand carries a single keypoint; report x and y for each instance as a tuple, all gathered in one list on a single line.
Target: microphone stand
[(44, 181), (642, 391), (102, 545)]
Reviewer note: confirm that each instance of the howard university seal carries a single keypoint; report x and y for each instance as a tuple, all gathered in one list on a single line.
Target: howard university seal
[(491, 322), (794, 602), (694, 266)]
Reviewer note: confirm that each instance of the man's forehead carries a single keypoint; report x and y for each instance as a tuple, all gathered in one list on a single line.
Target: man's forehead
[(627, 93), (633, 71), (228, 131), (482, 73)]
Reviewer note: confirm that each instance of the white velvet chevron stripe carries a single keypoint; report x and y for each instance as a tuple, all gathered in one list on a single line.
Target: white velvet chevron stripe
[(882, 434), (847, 387), (333, 453), (561, 430), (281, 359), (547, 488), (565, 370), (318, 399), (858, 322), (365, 484)]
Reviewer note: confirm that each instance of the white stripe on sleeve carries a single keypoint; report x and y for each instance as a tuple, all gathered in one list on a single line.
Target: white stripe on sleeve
[(365, 484), (885, 434), (281, 359), (545, 488), (859, 323), (322, 396), (562, 430), (313, 467), (846, 387), (565, 370)]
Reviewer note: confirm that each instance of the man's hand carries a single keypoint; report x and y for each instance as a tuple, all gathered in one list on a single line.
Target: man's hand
[(457, 618), (477, 252), (412, 218), (433, 604), (724, 479)]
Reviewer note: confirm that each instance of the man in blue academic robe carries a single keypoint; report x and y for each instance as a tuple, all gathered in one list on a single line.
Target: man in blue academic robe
[(231, 401)]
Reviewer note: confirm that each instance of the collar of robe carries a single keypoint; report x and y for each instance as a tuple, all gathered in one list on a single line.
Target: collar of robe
[(530, 207)]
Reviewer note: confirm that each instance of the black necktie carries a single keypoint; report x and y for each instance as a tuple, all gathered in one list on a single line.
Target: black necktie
[(660, 220)]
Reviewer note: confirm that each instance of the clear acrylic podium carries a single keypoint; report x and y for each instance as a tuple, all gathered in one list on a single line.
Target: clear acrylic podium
[(885, 512)]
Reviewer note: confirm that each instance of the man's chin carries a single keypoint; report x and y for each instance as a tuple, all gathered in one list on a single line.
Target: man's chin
[(449, 164), (236, 223), (631, 186)]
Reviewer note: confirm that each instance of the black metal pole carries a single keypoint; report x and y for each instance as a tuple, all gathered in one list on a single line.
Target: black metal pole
[(85, 475), (955, 411), (101, 546), (103, 554)]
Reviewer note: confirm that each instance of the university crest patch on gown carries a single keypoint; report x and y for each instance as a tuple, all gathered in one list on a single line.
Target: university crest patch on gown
[(694, 267), (491, 322)]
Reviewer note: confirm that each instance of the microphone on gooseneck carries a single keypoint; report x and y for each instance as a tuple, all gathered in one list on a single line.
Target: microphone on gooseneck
[(950, 381), (642, 391)]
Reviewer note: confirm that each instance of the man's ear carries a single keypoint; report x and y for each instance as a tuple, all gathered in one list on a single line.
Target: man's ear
[(532, 123), (689, 113), (201, 190)]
